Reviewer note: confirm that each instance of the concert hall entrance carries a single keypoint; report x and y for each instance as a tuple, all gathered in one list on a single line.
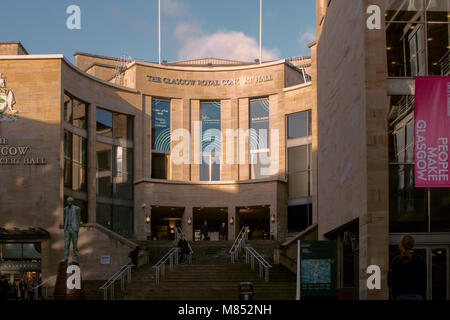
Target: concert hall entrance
[(214, 217)]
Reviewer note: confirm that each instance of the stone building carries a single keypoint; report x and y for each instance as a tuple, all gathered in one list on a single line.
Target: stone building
[(144, 148)]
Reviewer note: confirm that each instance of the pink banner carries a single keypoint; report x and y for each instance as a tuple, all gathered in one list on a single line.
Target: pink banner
[(432, 132)]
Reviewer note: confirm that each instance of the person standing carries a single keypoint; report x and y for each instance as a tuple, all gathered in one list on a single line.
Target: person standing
[(4, 288), (31, 286), (22, 288), (184, 248), (222, 231), (408, 274), (204, 231)]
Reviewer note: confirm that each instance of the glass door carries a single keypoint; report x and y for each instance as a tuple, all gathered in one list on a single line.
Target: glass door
[(438, 260)]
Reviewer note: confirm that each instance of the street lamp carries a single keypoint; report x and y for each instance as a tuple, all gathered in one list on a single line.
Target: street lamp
[(189, 221), (231, 220)]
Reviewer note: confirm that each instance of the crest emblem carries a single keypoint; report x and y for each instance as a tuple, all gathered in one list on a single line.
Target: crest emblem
[(7, 102)]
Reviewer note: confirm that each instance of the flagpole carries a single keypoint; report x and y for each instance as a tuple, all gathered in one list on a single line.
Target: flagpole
[(159, 30), (260, 31)]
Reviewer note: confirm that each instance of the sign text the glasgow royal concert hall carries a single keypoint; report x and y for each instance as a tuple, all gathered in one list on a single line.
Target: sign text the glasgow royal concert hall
[(211, 83), (17, 155)]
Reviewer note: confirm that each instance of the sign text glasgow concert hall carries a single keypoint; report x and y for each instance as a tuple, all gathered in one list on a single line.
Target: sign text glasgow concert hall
[(211, 83)]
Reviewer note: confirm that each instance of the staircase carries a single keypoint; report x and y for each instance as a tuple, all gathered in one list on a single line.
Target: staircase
[(211, 277)]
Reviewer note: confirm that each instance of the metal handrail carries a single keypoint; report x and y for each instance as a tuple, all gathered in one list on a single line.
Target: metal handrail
[(160, 266), (178, 233), (45, 283), (250, 256), (238, 244), (445, 63), (124, 270)]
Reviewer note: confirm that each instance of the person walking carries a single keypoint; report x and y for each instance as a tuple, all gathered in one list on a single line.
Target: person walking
[(134, 257), (408, 274), (204, 231), (222, 231)]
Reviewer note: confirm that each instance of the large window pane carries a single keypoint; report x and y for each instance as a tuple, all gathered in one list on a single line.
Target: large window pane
[(438, 49), (67, 109), (123, 220), (104, 169), (79, 174), (160, 165), (440, 210), (210, 141), (104, 122), (407, 205), (259, 137), (161, 125), (123, 177), (104, 215), (123, 126), (68, 159), (298, 125), (79, 114), (12, 251), (31, 251), (299, 170)]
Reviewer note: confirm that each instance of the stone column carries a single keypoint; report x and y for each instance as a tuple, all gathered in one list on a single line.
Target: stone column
[(232, 233)]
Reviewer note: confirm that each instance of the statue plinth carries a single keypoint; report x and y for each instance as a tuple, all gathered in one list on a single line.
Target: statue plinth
[(62, 292)]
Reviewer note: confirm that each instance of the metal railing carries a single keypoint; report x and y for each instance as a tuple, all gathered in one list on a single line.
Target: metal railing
[(239, 242), (43, 285), (160, 266), (251, 255), (124, 271), (445, 64)]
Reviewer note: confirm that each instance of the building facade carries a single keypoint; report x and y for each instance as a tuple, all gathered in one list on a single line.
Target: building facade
[(367, 199), (144, 148)]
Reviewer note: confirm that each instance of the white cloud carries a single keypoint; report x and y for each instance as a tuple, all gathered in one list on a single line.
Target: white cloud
[(306, 37), (223, 44), (172, 7)]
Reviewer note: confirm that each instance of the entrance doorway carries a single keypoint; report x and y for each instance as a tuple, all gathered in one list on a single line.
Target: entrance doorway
[(164, 220), (214, 217), (257, 219), (21, 260)]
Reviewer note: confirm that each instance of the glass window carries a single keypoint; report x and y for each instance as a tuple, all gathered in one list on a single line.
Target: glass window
[(123, 177), (79, 114), (210, 141), (79, 161), (259, 138), (12, 251), (123, 220), (161, 125), (438, 49), (68, 159), (440, 210), (104, 122), (104, 215), (31, 251), (299, 171), (104, 169), (299, 217), (160, 166), (407, 204), (299, 125), (123, 126), (67, 109)]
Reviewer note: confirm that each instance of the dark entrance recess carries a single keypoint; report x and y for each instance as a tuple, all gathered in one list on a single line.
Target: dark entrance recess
[(214, 216), (164, 220), (257, 219)]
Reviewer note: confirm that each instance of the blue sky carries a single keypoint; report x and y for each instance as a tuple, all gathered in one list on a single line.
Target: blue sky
[(190, 28)]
